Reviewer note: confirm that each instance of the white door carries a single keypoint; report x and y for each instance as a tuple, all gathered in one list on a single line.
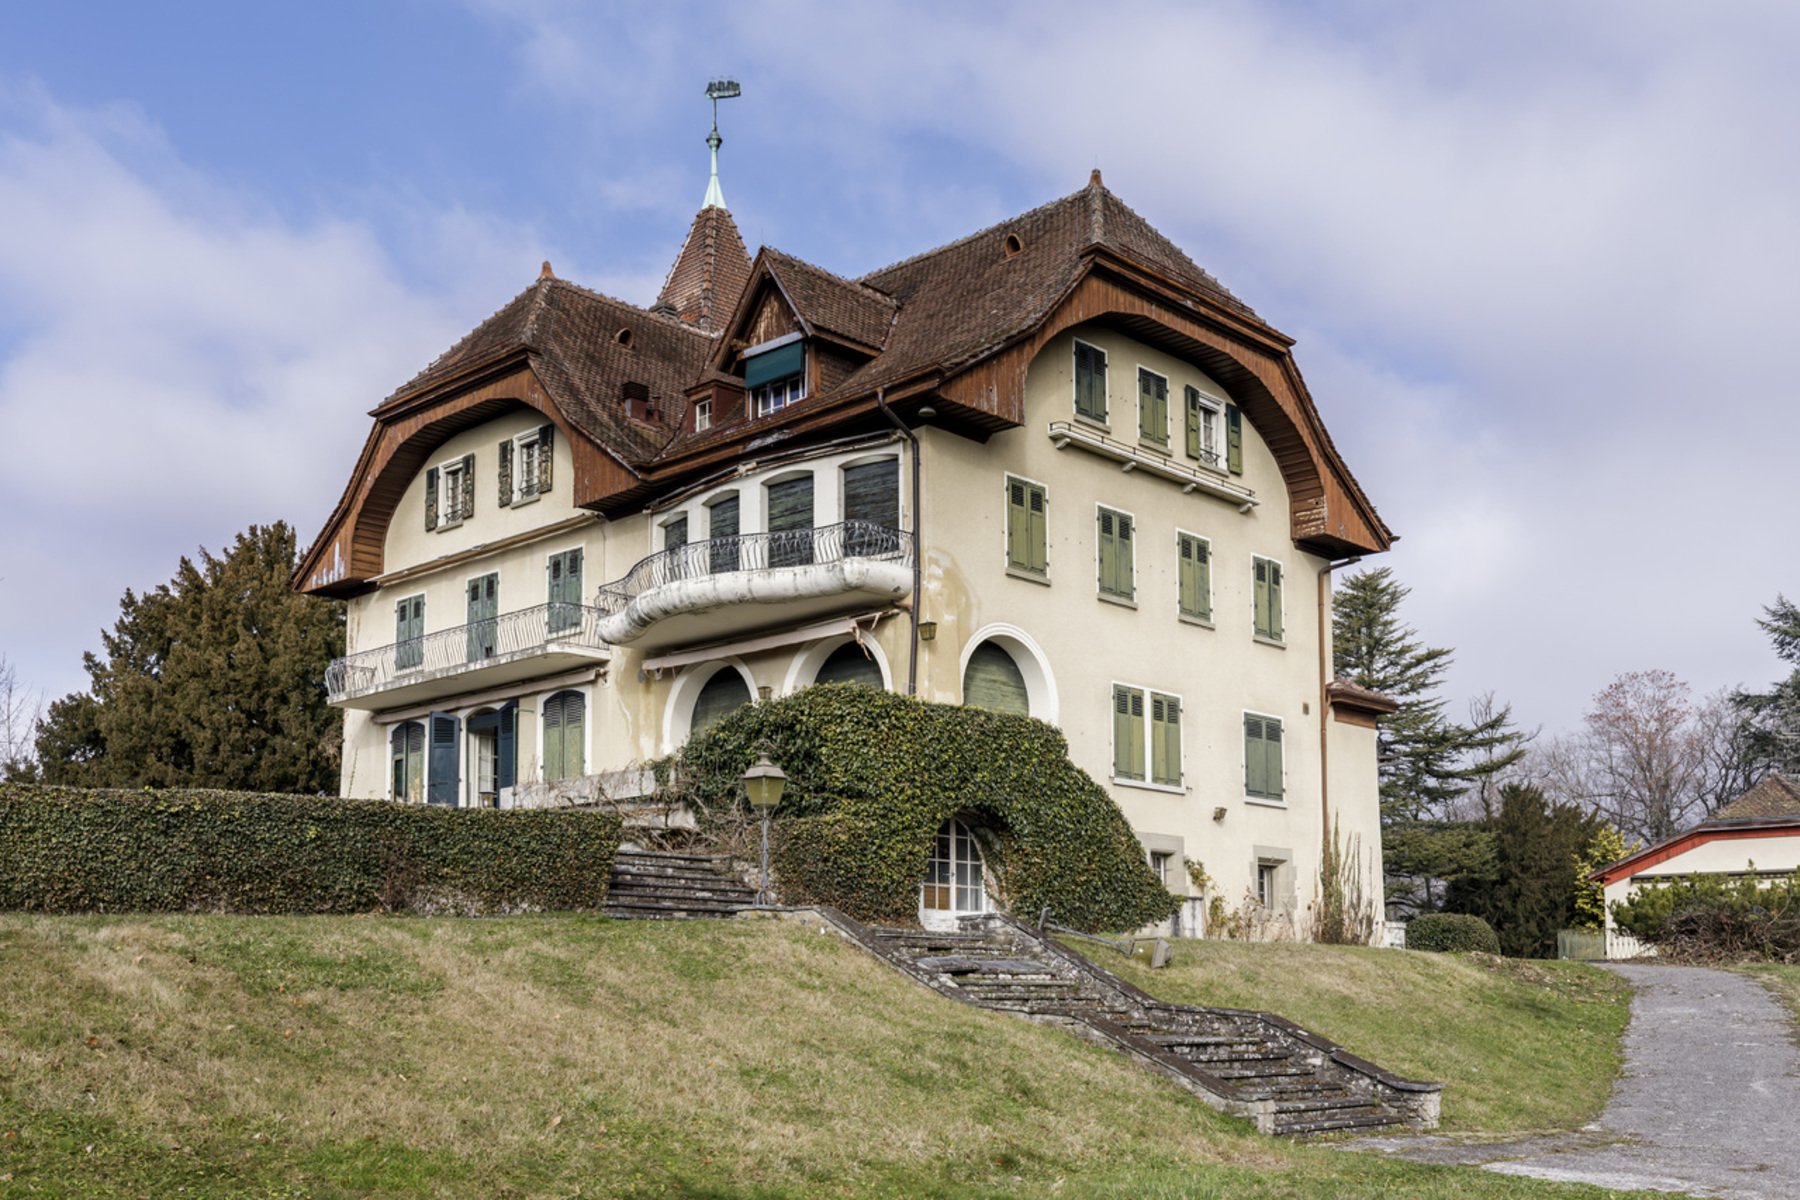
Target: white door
[(953, 884)]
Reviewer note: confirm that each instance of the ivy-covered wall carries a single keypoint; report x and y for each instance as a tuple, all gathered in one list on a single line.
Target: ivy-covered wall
[(76, 850), (871, 777)]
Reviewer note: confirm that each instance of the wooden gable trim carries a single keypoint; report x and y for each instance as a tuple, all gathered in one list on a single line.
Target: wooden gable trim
[(1327, 508), (1681, 843), (349, 552)]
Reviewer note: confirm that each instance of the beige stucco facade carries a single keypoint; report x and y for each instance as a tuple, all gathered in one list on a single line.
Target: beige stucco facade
[(1072, 644)]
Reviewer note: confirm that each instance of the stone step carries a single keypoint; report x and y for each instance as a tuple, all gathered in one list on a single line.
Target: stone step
[(671, 858), (1376, 1119), (1325, 1103), (720, 891), (1225, 1057), (1281, 1070), (636, 904), (697, 874)]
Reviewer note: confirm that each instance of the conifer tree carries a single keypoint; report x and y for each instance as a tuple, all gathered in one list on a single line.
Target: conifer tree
[(1773, 717), (214, 679), (1530, 892)]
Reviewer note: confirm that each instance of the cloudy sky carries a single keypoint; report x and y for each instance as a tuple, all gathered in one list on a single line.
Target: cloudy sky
[(1541, 259)]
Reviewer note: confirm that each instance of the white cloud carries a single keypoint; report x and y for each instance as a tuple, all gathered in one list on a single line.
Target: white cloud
[(179, 362)]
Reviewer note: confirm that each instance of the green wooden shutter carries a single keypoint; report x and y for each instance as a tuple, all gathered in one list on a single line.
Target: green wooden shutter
[(431, 498), (1165, 740), (1260, 597), (1038, 528), (409, 632), (1272, 758), (790, 522), (722, 529), (1255, 761), (1109, 551), (1234, 439), (468, 487), (1202, 579), (1153, 407), (1125, 764), (1018, 527), (1275, 630), (546, 457), (553, 738), (506, 485), (564, 591), (1192, 411), (1188, 575), (872, 493), (1122, 560), (1090, 381)]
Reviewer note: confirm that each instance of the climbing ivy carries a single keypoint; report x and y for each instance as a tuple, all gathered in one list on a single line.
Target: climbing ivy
[(872, 776), (77, 850)]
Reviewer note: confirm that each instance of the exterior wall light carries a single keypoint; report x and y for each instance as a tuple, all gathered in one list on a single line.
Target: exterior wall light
[(763, 784)]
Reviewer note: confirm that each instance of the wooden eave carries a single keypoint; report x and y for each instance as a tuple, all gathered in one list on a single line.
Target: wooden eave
[(350, 550)]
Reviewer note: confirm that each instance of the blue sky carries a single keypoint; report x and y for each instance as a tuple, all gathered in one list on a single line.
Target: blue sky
[(1541, 259)]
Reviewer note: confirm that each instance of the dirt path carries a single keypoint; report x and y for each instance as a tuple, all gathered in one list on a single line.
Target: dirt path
[(1709, 1101)]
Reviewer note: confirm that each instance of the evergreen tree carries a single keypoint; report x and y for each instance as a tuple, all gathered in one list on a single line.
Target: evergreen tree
[(1426, 760), (1773, 717), (1530, 892), (215, 679)]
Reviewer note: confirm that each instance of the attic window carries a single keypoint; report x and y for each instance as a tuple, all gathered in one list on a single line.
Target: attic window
[(623, 337), (1012, 245), (776, 377)]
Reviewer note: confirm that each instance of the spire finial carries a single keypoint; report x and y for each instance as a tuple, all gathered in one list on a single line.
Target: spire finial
[(717, 90), (1094, 179)]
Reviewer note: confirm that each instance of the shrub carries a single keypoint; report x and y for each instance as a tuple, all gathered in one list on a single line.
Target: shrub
[(74, 850), (1451, 931), (873, 775), (1717, 917)]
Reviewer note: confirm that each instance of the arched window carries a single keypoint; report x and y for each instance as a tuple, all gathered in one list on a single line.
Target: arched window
[(408, 743), (993, 680), (954, 880), (725, 691), (565, 736), (850, 663)]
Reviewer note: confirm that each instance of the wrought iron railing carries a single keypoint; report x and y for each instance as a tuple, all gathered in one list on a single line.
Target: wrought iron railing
[(464, 648), (757, 552)]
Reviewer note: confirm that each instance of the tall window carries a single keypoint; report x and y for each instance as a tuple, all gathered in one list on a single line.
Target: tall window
[(1027, 527), (1267, 598), (993, 680), (850, 663), (1117, 575), (1262, 757), (776, 378), (565, 736), (409, 633), (953, 875), (872, 503), (564, 590), (702, 415), (1193, 562), (722, 529), (1202, 427), (484, 617), (450, 492), (1090, 382), (725, 692), (1153, 407), (1135, 756), (790, 522), (408, 745)]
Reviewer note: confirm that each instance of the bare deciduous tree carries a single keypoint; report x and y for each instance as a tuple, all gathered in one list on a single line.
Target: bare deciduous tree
[(20, 709)]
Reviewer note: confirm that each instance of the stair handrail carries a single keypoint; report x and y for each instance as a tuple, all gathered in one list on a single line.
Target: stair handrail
[(1159, 954)]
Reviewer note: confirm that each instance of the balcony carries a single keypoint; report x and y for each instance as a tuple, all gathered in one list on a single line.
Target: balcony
[(722, 587), (498, 650), (1209, 479)]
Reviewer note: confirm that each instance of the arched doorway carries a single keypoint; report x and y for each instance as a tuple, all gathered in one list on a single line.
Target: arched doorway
[(725, 691), (993, 680), (850, 663), (955, 878)]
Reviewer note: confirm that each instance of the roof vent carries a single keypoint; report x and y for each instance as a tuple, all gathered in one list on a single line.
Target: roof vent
[(636, 398), (1012, 245), (623, 337)]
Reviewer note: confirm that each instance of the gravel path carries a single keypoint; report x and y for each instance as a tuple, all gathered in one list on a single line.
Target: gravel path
[(1709, 1102)]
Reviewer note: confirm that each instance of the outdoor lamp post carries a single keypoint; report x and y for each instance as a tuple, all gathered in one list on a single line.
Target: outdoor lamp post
[(763, 784)]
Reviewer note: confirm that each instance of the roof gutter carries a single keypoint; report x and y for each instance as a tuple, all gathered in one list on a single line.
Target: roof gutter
[(912, 662)]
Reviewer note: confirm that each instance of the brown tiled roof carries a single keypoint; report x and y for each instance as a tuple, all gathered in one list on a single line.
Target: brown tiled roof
[(1354, 695), (830, 303), (1775, 796), (709, 274), (585, 347)]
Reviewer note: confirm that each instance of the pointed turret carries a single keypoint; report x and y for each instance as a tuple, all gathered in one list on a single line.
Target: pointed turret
[(710, 272)]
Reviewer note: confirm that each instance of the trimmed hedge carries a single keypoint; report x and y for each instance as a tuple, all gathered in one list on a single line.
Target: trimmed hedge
[(74, 850), (872, 776), (1451, 931)]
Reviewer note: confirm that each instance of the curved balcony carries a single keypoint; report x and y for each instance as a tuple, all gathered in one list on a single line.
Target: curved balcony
[(725, 586), (496, 650)]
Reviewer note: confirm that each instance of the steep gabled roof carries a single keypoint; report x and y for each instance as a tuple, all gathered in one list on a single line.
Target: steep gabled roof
[(584, 347), (830, 304)]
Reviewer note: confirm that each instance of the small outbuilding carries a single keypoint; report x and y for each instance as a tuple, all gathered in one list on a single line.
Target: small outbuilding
[(1758, 834)]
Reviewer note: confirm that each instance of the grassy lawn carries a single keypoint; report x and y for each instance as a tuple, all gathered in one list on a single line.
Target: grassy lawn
[(578, 1057), (1523, 1045)]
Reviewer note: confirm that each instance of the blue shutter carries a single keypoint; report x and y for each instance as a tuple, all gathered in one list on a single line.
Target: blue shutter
[(442, 771), (506, 746)]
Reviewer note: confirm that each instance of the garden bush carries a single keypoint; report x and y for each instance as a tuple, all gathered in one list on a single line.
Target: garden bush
[(76, 850), (1451, 931), (872, 776), (1720, 917)]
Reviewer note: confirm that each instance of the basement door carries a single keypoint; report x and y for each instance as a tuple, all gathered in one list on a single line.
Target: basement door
[(954, 878)]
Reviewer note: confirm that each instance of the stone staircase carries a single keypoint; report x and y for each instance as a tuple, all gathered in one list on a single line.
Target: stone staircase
[(658, 885), (1253, 1064)]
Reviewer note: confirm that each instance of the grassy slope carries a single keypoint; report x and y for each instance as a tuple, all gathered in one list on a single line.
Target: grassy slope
[(1523, 1045), (337, 1057), (1780, 979)]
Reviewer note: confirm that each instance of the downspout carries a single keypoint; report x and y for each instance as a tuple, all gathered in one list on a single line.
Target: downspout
[(912, 663), (1325, 706)]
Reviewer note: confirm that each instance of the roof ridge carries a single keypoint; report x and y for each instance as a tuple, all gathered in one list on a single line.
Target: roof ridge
[(639, 310), (988, 231), (872, 290)]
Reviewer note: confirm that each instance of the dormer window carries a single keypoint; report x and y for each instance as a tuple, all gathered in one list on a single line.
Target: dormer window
[(702, 415), (775, 374)]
